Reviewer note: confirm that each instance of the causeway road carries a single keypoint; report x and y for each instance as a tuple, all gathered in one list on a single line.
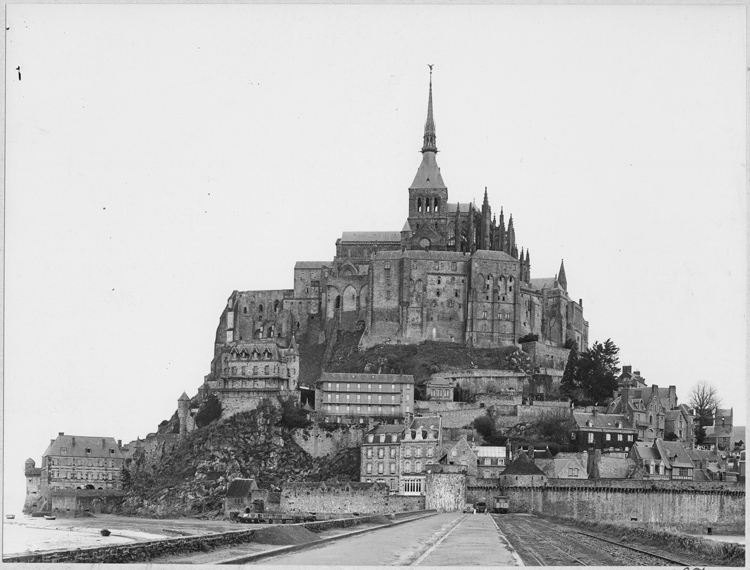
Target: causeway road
[(447, 539)]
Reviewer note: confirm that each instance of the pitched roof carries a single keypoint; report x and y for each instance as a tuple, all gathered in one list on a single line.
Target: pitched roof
[(312, 264), (440, 381), (371, 237), (240, 488), (674, 452), (522, 465), (490, 451), (76, 446), (601, 421), (363, 377), (425, 422), (545, 283), (493, 255), (645, 451), (451, 207)]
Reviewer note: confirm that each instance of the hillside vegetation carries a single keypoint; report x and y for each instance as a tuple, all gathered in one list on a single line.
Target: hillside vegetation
[(194, 477), (419, 360)]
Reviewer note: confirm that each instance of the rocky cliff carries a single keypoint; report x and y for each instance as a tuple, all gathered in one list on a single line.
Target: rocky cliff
[(193, 478)]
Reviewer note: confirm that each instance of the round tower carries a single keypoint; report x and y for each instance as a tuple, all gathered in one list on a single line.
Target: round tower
[(183, 411)]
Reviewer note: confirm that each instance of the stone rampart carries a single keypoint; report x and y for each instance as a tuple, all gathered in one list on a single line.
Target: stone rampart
[(79, 502), (461, 418), (339, 500), (321, 442), (446, 492), (156, 446), (687, 506)]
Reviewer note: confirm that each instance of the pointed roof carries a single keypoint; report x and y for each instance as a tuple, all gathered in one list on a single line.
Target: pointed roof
[(486, 201), (407, 227), (183, 397), (430, 144), (561, 276)]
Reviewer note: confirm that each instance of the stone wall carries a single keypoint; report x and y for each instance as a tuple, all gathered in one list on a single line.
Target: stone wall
[(546, 355), (78, 502), (685, 506), (445, 492), (461, 418), (337, 499), (156, 446), (320, 442)]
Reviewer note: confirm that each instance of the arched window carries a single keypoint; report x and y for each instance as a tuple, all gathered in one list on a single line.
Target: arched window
[(260, 308), (244, 310), (419, 205), (437, 205), (427, 201), (338, 302), (276, 306)]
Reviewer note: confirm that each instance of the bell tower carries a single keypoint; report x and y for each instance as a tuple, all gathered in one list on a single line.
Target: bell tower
[(428, 195)]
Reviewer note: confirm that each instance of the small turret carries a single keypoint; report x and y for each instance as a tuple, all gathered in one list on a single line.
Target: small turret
[(183, 412)]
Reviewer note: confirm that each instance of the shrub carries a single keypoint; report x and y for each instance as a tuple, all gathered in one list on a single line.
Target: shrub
[(209, 411), (292, 416), (531, 337)]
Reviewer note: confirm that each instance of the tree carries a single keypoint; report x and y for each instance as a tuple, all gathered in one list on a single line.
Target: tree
[(485, 426), (591, 376), (209, 411), (704, 399), (569, 382)]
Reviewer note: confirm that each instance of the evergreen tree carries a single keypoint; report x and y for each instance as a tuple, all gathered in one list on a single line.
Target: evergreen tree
[(569, 382), (591, 376)]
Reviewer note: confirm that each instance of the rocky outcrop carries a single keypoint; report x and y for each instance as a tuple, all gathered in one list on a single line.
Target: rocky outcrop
[(193, 478)]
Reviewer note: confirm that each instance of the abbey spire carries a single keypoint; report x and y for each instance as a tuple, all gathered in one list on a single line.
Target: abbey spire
[(561, 279), (430, 144)]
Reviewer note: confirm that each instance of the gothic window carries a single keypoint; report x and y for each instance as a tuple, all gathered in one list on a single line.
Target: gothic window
[(427, 202), (489, 282), (419, 205), (276, 306), (337, 305), (260, 308), (437, 205)]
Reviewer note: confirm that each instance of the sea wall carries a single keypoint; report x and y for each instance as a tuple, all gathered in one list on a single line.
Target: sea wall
[(149, 550)]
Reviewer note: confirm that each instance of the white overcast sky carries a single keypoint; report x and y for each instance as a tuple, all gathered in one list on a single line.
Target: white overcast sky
[(161, 156)]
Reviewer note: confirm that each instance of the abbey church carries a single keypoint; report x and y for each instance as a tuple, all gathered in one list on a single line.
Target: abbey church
[(453, 273)]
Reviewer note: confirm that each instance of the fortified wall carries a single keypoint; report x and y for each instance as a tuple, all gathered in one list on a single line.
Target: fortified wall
[(79, 502), (686, 506), (346, 498)]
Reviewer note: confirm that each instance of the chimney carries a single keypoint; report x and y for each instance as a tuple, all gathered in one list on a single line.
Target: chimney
[(74, 441), (103, 443), (673, 394), (119, 443), (594, 411), (52, 441), (627, 369), (637, 373), (60, 433), (580, 302)]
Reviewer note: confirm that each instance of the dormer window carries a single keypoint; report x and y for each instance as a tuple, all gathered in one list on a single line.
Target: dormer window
[(589, 423)]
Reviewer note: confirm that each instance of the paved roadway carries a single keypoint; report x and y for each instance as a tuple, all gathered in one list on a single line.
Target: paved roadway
[(447, 539)]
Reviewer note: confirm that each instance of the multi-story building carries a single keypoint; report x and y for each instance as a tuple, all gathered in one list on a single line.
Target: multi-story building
[(611, 432), (380, 455), (358, 398), (420, 445), (680, 422), (663, 460), (462, 453), (81, 462)]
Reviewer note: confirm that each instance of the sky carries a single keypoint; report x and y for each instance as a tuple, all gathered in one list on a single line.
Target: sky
[(159, 157)]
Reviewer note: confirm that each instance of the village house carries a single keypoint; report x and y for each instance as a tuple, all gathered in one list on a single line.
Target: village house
[(358, 398), (662, 460), (490, 461), (440, 389), (680, 422), (645, 409), (610, 432), (462, 453), (562, 467), (244, 496), (723, 435)]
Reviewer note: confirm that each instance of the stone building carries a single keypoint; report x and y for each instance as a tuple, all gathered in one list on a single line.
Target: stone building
[(360, 398), (645, 409), (420, 445), (73, 462), (491, 461), (721, 435), (453, 273), (380, 456), (662, 460), (462, 453), (244, 371)]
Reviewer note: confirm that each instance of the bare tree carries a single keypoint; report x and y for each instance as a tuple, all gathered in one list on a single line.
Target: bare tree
[(704, 399)]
